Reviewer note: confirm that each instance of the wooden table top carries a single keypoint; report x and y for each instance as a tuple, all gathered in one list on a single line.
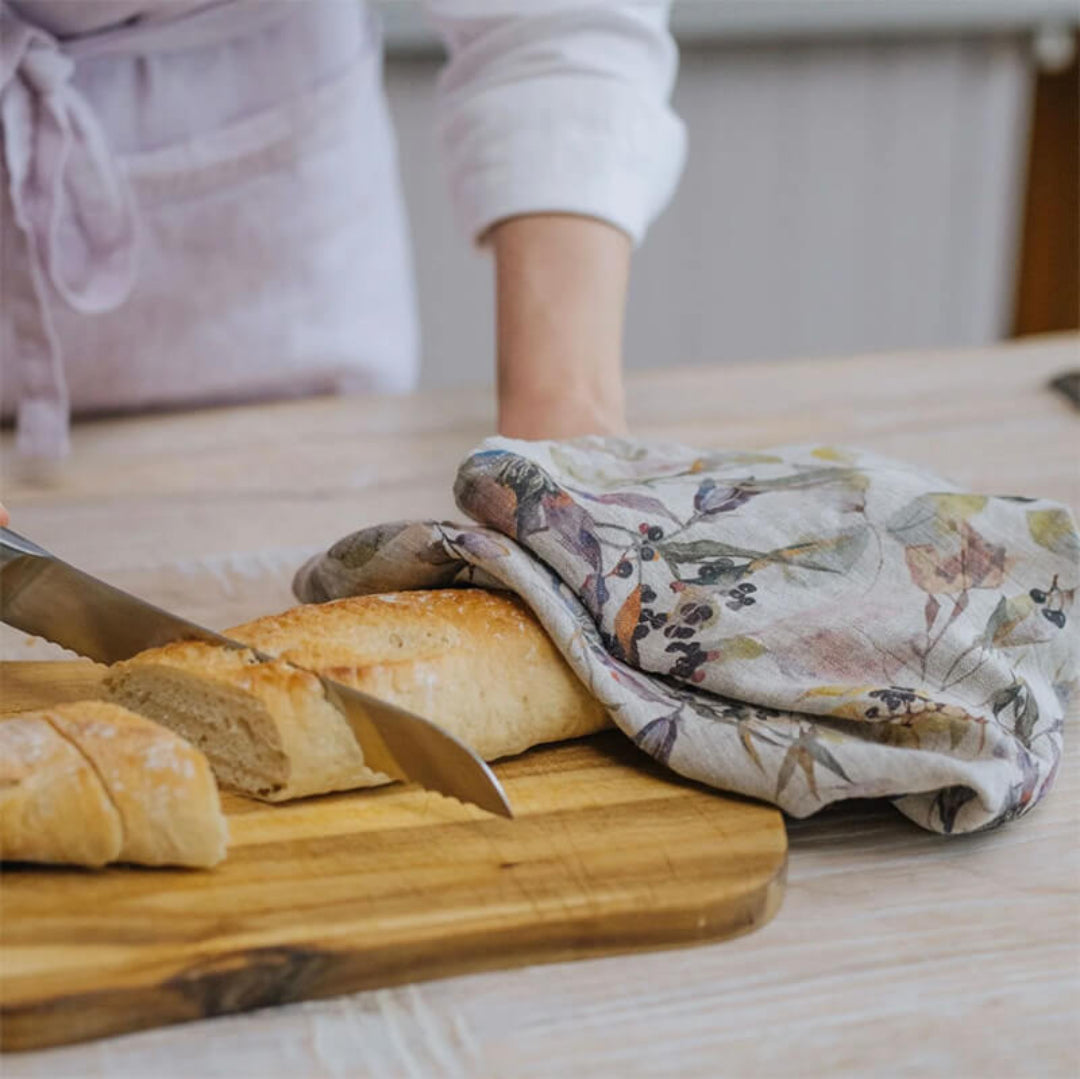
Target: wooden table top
[(896, 952)]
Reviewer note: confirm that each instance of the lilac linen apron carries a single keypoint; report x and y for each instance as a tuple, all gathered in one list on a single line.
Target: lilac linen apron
[(199, 206)]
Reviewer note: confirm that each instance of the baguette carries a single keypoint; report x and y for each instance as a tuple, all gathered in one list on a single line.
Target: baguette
[(475, 662), (53, 806), (91, 783)]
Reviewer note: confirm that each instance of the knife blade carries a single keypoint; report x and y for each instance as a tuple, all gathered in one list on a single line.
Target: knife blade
[(42, 595)]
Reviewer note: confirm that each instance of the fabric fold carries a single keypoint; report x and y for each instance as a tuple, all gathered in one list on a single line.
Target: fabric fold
[(803, 625), (75, 213)]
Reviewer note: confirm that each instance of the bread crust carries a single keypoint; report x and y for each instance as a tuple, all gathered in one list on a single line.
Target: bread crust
[(162, 787), (90, 783), (477, 663), (53, 805)]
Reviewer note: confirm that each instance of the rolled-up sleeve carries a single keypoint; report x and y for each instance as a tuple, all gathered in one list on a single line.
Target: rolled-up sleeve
[(549, 106)]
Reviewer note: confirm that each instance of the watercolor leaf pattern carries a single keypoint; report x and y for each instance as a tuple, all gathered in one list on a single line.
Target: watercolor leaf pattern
[(805, 752), (1054, 530), (799, 624)]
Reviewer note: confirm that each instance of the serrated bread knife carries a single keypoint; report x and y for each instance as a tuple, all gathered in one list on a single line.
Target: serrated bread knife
[(45, 596)]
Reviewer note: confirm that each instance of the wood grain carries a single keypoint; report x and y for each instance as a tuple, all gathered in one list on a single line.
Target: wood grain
[(608, 853), (896, 953)]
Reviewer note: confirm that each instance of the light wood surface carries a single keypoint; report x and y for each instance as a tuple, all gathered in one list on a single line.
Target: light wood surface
[(607, 853), (896, 952)]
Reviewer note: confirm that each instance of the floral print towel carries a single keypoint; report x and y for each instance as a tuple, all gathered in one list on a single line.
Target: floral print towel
[(801, 625)]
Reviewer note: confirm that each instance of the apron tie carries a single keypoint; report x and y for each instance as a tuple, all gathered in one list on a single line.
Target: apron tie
[(75, 213)]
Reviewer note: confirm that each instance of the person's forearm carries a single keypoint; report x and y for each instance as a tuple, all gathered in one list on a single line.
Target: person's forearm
[(561, 294)]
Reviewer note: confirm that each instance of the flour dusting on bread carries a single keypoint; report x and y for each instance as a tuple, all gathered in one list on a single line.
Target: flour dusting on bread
[(90, 783)]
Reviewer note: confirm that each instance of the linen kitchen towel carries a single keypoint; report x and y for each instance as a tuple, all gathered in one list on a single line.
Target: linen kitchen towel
[(801, 625)]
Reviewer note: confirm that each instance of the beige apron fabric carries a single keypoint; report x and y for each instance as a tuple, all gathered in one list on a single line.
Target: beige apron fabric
[(257, 249)]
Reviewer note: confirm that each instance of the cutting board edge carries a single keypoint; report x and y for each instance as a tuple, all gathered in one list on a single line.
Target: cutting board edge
[(286, 975), (242, 979)]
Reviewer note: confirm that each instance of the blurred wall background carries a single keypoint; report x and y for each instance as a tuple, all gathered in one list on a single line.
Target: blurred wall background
[(858, 180)]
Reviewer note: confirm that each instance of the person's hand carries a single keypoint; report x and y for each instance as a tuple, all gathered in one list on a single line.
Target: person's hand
[(561, 290), (4, 518)]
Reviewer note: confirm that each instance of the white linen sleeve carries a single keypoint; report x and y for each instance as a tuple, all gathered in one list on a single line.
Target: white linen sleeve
[(558, 106)]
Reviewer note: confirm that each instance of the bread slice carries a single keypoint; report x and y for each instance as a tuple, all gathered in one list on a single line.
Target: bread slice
[(162, 787), (90, 783), (477, 663), (266, 728), (53, 806)]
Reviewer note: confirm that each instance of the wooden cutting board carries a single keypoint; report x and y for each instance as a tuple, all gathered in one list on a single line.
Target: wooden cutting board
[(608, 853)]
